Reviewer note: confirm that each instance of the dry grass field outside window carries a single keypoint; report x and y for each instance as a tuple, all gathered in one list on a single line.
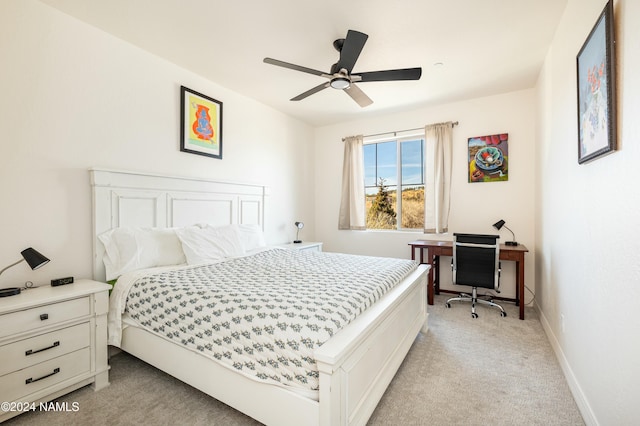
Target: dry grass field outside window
[(412, 210)]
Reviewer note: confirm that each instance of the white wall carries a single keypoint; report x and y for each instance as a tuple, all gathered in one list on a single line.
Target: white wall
[(74, 97), (588, 232), (474, 206)]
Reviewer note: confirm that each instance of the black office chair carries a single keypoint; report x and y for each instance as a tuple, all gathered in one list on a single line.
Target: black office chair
[(476, 263)]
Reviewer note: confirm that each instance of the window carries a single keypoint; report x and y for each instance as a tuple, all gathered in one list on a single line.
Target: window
[(391, 166)]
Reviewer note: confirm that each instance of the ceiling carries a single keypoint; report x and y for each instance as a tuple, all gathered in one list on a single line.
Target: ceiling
[(483, 47)]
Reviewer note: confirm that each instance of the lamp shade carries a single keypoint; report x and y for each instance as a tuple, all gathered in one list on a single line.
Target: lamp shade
[(499, 224), (34, 258)]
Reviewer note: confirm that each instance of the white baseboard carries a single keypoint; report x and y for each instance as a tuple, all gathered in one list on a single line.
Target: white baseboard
[(583, 405)]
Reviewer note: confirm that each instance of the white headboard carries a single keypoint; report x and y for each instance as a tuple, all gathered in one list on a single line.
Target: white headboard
[(133, 199)]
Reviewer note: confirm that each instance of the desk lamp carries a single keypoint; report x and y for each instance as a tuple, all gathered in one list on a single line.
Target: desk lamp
[(499, 224), (299, 225), (35, 261)]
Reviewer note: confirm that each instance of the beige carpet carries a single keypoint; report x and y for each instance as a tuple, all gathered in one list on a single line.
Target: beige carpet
[(490, 370)]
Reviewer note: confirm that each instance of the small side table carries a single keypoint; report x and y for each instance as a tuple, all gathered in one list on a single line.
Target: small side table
[(53, 341), (303, 246)]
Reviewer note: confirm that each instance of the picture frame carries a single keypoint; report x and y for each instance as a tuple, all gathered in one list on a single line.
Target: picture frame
[(597, 90), (488, 158), (200, 124)]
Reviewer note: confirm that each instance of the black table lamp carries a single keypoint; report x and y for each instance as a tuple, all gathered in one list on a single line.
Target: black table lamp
[(298, 225), (498, 225), (35, 260)]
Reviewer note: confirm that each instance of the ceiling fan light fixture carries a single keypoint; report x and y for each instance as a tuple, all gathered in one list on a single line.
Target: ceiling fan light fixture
[(340, 77), (340, 83)]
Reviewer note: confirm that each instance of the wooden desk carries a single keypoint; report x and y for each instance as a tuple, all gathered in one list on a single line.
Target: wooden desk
[(437, 248)]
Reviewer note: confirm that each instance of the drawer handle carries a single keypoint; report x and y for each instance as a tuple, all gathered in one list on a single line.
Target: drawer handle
[(31, 351), (44, 317), (32, 380)]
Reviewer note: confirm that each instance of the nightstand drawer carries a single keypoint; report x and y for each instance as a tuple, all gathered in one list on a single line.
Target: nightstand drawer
[(303, 246), (46, 374), (42, 316), (24, 353), (311, 247)]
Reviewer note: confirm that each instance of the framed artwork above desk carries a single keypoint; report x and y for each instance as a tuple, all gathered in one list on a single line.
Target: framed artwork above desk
[(437, 248)]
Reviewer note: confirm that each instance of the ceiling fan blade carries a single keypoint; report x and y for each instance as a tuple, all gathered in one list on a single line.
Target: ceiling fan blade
[(358, 95), (294, 67), (311, 91), (389, 75), (351, 49)]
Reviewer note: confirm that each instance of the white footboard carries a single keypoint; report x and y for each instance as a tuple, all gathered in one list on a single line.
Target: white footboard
[(356, 365), (359, 362)]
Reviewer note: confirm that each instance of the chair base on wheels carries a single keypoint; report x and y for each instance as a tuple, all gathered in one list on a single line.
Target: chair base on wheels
[(473, 298)]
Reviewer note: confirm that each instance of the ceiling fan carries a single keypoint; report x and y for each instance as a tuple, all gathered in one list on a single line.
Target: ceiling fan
[(340, 76)]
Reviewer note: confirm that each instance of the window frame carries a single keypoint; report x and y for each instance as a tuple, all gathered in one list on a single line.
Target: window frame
[(398, 138)]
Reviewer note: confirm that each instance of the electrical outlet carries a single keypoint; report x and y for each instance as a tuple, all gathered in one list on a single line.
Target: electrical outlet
[(562, 322)]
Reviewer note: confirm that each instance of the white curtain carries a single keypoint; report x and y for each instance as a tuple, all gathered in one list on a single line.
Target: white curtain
[(352, 205), (438, 141)]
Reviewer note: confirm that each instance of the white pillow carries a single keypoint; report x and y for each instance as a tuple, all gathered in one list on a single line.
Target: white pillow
[(130, 249), (207, 244), (251, 236)]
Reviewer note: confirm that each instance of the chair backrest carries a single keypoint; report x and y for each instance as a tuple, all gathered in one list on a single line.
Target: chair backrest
[(476, 260)]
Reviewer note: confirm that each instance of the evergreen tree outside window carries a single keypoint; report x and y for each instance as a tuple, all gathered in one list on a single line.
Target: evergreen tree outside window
[(382, 213)]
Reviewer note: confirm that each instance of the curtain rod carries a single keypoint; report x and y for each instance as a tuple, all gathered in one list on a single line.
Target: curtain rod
[(455, 123)]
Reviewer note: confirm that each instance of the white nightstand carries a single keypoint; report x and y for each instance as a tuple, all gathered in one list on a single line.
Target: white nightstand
[(310, 245), (53, 340)]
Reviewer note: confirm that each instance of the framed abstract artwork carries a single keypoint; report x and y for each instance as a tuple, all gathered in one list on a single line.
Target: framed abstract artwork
[(200, 124), (596, 90), (488, 158)]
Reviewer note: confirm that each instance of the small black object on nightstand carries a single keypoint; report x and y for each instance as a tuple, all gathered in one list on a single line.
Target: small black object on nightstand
[(61, 281), (12, 291)]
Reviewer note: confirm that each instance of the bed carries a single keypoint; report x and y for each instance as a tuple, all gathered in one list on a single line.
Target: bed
[(354, 365)]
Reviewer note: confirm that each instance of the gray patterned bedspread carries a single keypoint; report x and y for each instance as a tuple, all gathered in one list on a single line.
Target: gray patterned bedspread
[(263, 315)]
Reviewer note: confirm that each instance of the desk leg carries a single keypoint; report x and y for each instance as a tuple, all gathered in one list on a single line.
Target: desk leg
[(430, 279), (520, 286), (436, 267)]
